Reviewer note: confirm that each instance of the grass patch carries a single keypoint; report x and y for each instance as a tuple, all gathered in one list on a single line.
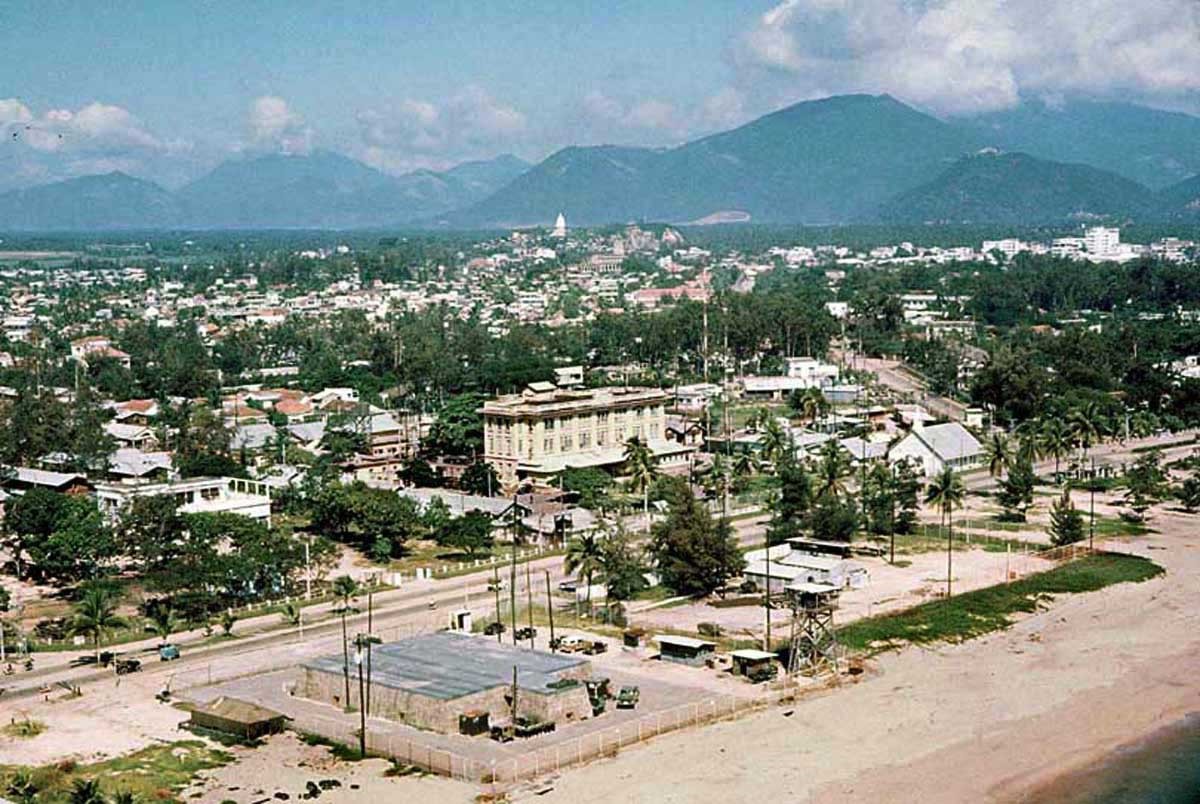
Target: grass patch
[(24, 729), (983, 611), (1112, 526), (156, 773), (339, 750)]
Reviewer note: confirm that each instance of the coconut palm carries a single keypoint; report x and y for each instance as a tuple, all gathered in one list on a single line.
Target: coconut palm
[(997, 452), (812, 405), (585, 558), (162, 622), (96, 613), (345, 588), (1087, 425), (1055, 437), (832, 468), (642, 469), (946, 492), (774, 441), (745, 464)]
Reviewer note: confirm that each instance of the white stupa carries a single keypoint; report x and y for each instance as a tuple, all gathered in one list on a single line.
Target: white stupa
[(560, 227)]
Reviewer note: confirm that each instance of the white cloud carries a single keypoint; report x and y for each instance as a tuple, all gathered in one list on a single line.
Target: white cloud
[(12, 111), (416, 133), (961, 56), (94, 128), (643, 116), (275, 125)]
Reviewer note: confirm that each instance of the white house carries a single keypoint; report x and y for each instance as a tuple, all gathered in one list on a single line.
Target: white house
[(938, 446)]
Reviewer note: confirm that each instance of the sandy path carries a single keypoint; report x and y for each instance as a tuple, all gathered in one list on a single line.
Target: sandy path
[(975, 722)]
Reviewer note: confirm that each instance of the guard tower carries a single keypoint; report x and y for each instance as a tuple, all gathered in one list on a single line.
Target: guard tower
[(813, 642)]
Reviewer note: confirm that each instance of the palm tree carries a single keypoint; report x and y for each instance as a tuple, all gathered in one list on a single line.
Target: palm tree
[(585, 557), (639, 463), (1055, 437), (1087, 425), (96, 613), (345, 588), (162, 622), (997, 452), (946, 492), (124, 797), (745, 464), (774, 441), (832, 469), (812, 405)]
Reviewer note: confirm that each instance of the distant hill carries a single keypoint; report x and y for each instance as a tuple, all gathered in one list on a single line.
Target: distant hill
[(109, 201), (322, 190), (819, 161), (1016, 188), (1151, 146), (838, 160), (1181, 200), (328, 190)]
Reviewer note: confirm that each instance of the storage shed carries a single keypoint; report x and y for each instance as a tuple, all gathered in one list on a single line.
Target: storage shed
[(747, 662), (684, 650)]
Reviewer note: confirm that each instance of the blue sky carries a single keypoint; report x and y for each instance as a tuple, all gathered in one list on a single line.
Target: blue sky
[(166, 89)]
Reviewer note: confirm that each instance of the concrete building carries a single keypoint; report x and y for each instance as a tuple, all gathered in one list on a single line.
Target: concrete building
[(1102, 241), (431, 681), (198, 495), (545, 429)]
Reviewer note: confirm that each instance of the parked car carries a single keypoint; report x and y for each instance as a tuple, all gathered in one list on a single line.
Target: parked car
[(591, 648), (493, 628), (571, 644), (126, 666), (168, 652), (628, 697)]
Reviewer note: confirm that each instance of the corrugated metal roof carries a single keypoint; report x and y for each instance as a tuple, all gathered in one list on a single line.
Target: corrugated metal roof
[(449, 665)]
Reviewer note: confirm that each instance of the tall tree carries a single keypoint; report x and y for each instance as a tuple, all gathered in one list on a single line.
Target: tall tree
[(95, 614), (946, 492), (1066, 522), (694, 553), (584, 559), (642, 468)]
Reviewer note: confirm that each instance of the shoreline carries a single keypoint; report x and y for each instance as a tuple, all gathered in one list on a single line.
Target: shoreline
[(992, 719), (1095, 777)]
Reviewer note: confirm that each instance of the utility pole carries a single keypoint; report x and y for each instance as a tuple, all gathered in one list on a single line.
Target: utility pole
[(512, 572), (767, 591), (529, 604), (362, 709), (550, 613), (1092, 517), (496, 588)]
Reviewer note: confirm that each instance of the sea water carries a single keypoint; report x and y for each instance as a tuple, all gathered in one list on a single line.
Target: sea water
[(1164, 768)]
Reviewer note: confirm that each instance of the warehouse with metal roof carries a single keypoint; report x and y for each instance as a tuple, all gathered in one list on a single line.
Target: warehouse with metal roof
[(430, 681)]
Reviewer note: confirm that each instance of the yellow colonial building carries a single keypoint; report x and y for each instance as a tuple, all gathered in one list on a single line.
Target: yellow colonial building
[(543, 430)]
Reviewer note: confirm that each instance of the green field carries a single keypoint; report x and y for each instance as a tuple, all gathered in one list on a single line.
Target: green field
[(983, 611)]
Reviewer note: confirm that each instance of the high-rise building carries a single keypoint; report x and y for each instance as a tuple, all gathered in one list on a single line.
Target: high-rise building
[(560, 226), (1102, 241)]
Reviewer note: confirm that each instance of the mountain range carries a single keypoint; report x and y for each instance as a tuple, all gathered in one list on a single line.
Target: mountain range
[(844, 159), (322, 190)]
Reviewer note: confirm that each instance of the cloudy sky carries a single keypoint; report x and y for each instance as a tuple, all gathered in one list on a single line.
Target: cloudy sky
[(165, 89)]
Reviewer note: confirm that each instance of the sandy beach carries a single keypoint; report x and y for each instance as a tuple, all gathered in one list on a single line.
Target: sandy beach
[(988, 720)]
